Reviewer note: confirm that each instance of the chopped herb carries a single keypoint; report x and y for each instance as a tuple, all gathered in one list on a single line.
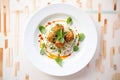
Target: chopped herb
[(81, 36), (75, 48), (69, 20), (59, 50), (42, 51), (42, 29), (58, 61), (52, 48)]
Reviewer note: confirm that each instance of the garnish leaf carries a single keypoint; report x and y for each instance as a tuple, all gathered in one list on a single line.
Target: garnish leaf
[(42, 51), (62, 40), (75, 48), (69, 20), (81, 36), (60, 35), (64, 34), (42, 29), (58, 61)]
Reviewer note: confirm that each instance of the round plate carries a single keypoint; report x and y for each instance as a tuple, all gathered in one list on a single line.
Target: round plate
[(75, 62)]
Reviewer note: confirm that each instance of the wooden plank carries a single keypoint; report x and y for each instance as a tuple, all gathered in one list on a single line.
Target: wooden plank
[(89, 4), (104, 49), (99, 13), (105, 26), (1, 61), (116, 76), (5, 27), (8, 15), (112, 52), (26, 77), (6, 43)]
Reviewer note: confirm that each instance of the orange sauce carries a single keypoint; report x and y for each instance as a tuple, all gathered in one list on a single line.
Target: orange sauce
[(52, 56)]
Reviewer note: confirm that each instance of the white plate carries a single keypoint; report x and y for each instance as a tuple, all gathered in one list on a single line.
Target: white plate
[(75, 62)]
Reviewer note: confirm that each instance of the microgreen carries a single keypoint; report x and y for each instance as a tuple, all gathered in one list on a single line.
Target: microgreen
[(81, 36), (42, 29), (69, 20), (58, 61)]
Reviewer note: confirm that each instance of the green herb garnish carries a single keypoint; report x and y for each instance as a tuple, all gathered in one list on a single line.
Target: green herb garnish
[(42, 51), (60, 35), (58, 61), (57, 24), (75, 48), (59, 50), (81, 37), (69, 20), (42, 29)]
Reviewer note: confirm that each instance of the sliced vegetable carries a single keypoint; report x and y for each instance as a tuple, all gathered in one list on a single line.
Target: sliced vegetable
[(69, 20), (58, 61), (75, 48), (81, 36), (42, 29)]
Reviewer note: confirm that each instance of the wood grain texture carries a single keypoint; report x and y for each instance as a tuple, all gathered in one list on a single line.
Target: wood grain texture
[(116, 76), (6, 43), (9, 57), (5, 27), (112, 52), (104, 49), (16, 68), (99, 65), (26, 77), (105, 26), (79, 3), (99, 12), (89, 4), (1, 61), (8, 15)]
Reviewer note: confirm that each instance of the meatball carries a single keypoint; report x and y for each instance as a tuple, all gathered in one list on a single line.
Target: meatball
[(57, 27), (51, 37), (59, 44), (69, 36)]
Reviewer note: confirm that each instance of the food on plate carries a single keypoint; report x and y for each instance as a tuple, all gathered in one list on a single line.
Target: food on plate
[(58, 39)]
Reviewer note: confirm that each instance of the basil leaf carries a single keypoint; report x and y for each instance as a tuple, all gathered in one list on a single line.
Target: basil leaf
[(42, 51), (42, 29), (64, 34), (62, 40), (81, 36), (75, 48), (58, 61), (69, 20)]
